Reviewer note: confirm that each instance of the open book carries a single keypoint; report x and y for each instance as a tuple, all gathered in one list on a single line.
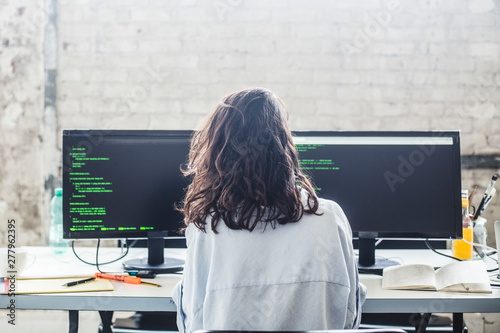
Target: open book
[(461, 276)]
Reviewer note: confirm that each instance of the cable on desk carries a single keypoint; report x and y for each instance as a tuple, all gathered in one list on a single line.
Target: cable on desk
[(97, 263), (490, 254), (445, 255), (495, 280), (434, 250)]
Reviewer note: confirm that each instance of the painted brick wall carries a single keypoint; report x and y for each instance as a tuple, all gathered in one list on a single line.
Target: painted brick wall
[(21, 101), (349, 65), (336, 64)]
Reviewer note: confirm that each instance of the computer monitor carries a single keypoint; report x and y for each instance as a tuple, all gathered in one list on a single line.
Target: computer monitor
[(389, 184), (124, 184), (405, 185)]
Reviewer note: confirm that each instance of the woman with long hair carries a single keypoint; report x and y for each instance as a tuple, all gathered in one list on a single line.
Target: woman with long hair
[(264, 252)]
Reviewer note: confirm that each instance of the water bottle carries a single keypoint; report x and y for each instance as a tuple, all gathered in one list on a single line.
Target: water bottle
[(480, 236), (56, 241)]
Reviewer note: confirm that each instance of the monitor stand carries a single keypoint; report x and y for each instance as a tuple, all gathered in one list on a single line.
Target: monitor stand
[(367, 262), (155, 261)]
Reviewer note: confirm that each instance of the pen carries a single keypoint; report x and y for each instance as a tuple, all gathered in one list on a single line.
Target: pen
[(126, 279), (488, 200), (486, 196), (74, 283), (491, 184)]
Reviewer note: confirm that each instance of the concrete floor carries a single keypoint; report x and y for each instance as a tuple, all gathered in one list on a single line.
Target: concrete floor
[(28, 321)]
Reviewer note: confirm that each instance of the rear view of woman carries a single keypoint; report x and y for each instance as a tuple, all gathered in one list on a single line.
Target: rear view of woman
[(264, 252)]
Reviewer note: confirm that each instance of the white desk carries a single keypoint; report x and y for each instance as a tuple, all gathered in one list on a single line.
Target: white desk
[(127, 297), (386, 301), (413, 301), (124, 297)]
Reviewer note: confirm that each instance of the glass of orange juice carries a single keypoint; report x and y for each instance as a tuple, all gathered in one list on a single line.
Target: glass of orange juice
[(462, 248)]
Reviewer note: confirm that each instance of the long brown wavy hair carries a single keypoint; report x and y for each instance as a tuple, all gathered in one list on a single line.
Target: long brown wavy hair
[(245, 167)]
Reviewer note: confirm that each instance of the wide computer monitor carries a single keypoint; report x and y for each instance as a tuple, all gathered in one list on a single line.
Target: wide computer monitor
[(400, 184), (125, 184)]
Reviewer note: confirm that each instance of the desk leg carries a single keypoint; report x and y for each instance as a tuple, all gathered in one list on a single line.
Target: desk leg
[(106, 319), (458, 322), (422, 324), (73, 321)]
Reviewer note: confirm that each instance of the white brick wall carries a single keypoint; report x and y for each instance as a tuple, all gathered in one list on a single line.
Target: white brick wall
[(346, 65), (21, 101)]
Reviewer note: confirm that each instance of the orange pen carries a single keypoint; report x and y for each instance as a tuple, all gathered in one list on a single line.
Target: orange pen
[(124, 278)]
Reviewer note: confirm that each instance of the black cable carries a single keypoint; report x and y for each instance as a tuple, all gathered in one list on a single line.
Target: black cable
[(495, 260), (490, 254), (445, 255), (434, 250), (97, 256)]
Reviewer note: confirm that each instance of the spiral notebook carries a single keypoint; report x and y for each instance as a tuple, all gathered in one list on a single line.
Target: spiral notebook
[(51, 285)]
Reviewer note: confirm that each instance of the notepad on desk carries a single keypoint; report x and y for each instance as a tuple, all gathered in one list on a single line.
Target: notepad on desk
[(460, 276), (51, 285)]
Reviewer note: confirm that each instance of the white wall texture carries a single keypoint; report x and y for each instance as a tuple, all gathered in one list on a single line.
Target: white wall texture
[(21, 101), (348, 65), (164, 64), (356, 65)]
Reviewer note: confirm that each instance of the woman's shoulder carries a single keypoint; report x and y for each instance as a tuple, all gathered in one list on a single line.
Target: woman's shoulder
[(329, 205), (326, 206), (332, 211), (323, 204)]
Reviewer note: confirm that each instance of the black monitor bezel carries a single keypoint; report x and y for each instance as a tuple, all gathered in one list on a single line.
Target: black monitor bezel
[(95, 137), (187, 134), (425, 234)]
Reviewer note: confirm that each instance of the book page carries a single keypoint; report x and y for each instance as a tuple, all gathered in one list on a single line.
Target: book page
[(470, 288), (417, 276), (465, 276)]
